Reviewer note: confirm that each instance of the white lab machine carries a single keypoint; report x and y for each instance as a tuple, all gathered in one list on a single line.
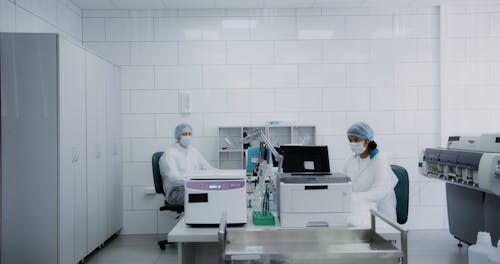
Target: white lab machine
[(470, 166), (312, 201), (210, 193), (470, 161)]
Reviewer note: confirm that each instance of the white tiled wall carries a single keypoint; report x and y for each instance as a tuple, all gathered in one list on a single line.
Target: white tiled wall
[(325, 67), (47, 16), (471, 72)]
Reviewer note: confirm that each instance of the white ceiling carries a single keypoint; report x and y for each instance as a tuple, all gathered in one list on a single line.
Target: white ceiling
[(161, 4)]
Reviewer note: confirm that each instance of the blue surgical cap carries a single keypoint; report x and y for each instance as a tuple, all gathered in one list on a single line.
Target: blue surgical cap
[(361, 130), (180, 128)]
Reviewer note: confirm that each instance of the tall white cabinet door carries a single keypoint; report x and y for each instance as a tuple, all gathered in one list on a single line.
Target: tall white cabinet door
[(102, 120), (96, 150), (29, 148), (114, 186), (118, 169), (80, 184), (110, 147), (72, 169)]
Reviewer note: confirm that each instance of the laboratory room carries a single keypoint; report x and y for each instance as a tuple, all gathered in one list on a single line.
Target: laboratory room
[(249, 131)]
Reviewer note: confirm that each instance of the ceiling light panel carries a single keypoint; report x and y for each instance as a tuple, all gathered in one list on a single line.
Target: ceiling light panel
[(189, 3), (94, 4), (239, 3), (288, 3), (138, 4)]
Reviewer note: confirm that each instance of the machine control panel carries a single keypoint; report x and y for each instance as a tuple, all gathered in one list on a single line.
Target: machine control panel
[(497, 171), (215, 185)]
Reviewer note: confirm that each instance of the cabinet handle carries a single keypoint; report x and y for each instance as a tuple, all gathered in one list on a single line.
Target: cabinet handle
[(73, 152), (98, 151), (77, 155)]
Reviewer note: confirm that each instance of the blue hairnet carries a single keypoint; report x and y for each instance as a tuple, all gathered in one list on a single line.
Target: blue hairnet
[(361, 130), (180, 128)]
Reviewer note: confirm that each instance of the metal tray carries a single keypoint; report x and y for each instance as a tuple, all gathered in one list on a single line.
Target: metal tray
[(311, 246)]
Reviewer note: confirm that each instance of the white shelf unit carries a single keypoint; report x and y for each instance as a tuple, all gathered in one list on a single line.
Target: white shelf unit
[(231, 151)]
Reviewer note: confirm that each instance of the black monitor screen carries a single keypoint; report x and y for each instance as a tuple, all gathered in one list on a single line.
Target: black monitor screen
[(305, 158)]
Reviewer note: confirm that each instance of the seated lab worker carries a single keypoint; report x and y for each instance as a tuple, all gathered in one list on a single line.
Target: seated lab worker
[(178, 160), (373, 181)]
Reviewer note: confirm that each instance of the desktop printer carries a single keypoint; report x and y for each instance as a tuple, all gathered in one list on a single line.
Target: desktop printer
[(210, 193), (309, 195), (309, 201)]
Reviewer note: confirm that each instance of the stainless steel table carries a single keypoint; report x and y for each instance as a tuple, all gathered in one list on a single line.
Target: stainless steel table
[(241, 244), (200, 245), (311, 246)]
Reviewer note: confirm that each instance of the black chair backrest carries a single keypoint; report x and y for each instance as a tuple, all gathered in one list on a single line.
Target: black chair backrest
[(402, 190), (156, 172)]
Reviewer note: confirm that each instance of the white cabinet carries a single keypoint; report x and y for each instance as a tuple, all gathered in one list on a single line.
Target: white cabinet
[(60, 149), (103, 150), (72, 149), (29, 148), (114, 153), (96, 88), (103, 142)]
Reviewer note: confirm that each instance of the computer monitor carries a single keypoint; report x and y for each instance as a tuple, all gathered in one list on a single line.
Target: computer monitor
[(305, 159)]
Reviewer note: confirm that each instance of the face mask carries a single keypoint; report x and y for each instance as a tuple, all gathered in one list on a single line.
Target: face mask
[(357, 147), (185, 141)]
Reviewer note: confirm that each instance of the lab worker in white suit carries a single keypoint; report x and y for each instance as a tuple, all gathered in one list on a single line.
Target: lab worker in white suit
[(373, 181), (178, 160)]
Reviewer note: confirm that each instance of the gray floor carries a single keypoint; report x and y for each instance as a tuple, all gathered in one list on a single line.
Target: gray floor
[(424, 247), (133, 249), (435, 246)]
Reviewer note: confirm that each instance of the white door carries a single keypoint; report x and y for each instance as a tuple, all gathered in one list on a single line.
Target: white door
[(118, 190), (29, 148), (114, 187), (102, 149), (80, 165), (72, 176), (96, 170), (111, 98)]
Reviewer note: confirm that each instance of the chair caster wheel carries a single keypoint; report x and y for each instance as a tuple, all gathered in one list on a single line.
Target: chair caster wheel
[(162, 246)]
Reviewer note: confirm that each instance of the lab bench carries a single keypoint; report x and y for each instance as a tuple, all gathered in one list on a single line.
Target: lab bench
[(268, 244), (200, 245)]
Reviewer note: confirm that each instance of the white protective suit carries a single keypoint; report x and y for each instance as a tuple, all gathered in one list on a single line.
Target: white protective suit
[(175, 163), (373, 185)]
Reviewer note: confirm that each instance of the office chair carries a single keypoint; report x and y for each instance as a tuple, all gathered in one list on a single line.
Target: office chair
[(179, 209), (402, 191)]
